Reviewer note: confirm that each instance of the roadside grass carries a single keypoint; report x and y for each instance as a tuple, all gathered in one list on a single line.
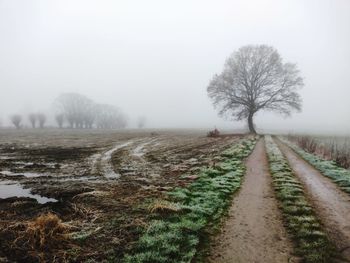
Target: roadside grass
[(181, 222), (326, 147), (311, 242), (330, 169)]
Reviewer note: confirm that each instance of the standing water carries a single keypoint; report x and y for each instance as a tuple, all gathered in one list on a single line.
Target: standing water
[(13, 189)]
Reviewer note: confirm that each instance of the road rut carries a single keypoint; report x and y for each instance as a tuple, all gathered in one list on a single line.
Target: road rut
[(254, 230), (331, 204)]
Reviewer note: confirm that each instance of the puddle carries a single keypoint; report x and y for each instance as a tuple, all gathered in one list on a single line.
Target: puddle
[(82, 178), (7, 157), (13, 189), (25, 174), (51, 165), (23, 163)]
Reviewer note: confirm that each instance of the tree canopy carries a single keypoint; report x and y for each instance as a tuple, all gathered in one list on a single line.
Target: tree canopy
[(255, 78)]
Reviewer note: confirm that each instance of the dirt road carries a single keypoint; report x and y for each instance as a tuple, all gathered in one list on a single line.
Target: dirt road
[(253, 231), (331, 204)]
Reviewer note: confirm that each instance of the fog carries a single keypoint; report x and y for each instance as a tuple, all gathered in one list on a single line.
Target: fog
[(155, 58)]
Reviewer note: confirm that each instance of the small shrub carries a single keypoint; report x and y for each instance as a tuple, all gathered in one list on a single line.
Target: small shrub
[(214, 133)]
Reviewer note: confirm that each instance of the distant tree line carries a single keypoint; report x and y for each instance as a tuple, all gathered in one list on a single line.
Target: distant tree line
[(37, 118), (77, 111), (34, 119)]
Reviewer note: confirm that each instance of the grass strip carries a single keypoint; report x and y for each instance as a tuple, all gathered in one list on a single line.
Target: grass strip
[(330, 169), (174, 235), (311, 242)]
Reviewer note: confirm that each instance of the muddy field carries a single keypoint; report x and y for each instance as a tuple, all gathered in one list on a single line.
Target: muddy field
[(98, 183), (87, 196)]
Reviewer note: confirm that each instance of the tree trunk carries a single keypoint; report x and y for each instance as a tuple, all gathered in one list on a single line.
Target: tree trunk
[(251, 124)]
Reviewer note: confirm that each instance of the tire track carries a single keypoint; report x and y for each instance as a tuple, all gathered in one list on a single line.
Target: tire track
[(331, 204), (102, 162), (254, 231)]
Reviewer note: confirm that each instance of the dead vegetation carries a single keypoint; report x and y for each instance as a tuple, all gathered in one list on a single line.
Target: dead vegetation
[(105, 217), (164, 206), (330, 148), (214, 133), (40, 240), (45, 232)]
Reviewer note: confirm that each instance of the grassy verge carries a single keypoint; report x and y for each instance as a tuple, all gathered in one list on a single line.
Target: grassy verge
[(181, 221), (311, 242), (338, 175)]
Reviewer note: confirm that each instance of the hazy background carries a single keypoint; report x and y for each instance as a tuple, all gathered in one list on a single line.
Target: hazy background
[(156, 57)]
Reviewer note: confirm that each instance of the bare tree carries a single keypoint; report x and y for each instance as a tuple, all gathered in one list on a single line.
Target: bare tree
[(141, 122), (32, 118), (16, 120), (89, 115), (121, 121), (255, 78), (110, 117), (42, 119), (59, 119), (78, 109), (81, 112)]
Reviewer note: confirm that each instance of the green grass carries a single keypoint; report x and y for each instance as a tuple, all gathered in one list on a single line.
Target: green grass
[(176, 236), (338, 175), (311, 242)]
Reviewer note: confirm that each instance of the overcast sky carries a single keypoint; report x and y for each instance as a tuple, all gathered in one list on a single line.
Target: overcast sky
[(156, 57)]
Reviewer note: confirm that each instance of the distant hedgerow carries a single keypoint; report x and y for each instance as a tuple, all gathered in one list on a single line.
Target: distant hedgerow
[(337, 174)]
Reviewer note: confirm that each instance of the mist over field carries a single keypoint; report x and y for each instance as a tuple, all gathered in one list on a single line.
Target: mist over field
[(163, 131), (156, 58)]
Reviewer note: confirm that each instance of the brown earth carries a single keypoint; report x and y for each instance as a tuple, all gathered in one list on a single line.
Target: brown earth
[(331, 204), (104, 216), (253, 231)]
